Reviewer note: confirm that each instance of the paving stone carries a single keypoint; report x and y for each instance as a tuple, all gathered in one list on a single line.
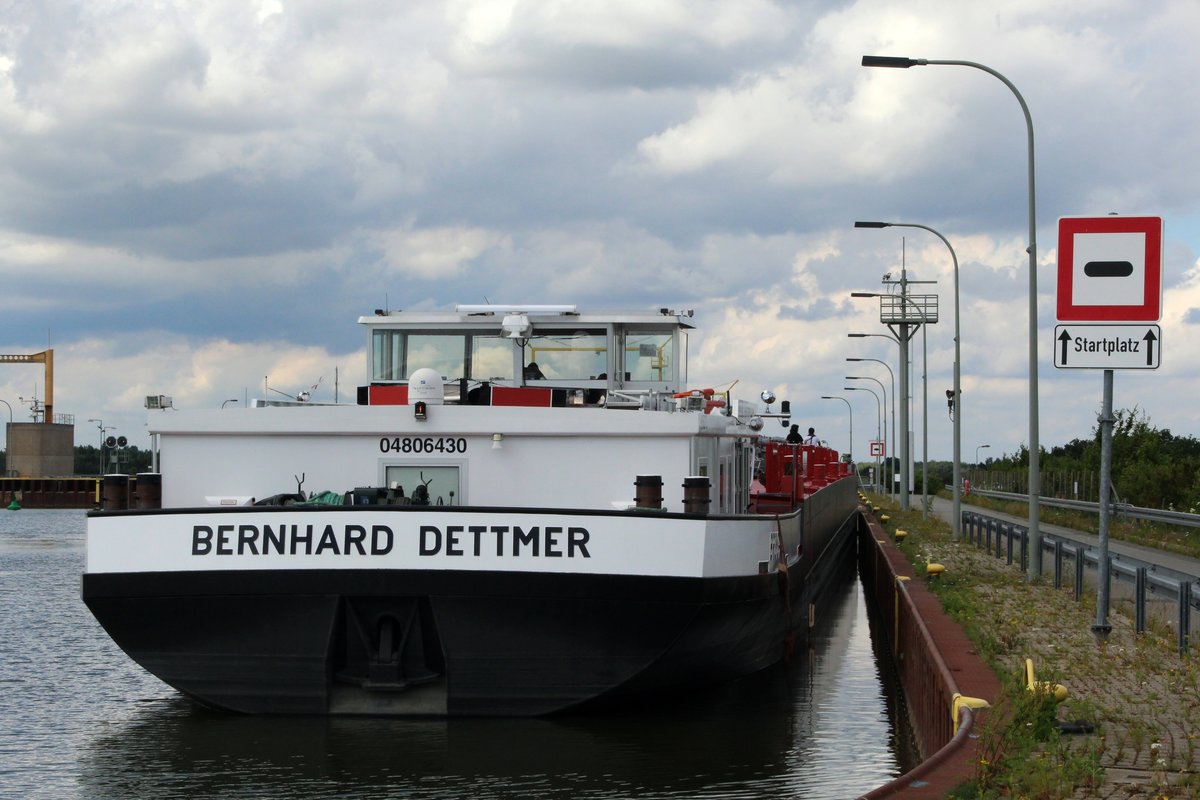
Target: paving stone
[(1146, 697)]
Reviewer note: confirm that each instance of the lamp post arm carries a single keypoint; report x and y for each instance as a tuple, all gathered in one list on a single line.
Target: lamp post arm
[(1035, 458), (850, 408)]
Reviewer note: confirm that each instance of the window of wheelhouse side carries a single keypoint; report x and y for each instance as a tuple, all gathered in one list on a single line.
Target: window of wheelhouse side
[(650, 356), (396, 354), (569, 354), (387, 355), (478, 356), (491, 358), (444, 352)]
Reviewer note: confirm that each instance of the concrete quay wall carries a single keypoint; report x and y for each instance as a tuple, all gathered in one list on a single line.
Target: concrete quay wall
[(938, 668)]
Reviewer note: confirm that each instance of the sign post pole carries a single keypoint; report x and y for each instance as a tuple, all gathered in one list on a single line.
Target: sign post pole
[(1102, 628)]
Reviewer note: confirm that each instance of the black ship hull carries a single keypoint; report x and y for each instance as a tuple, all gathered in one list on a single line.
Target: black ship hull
[(456, 642)]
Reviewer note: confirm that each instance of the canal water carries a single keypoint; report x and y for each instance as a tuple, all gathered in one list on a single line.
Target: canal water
[(78, 719)]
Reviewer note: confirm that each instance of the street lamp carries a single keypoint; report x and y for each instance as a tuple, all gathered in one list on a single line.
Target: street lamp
[(956, 521), (103, 430), (850, 449), (883, 411), (892, 376), (227, 402), (893, 380), (976, 470), (1035, 468), (878, 412), (924, 409)]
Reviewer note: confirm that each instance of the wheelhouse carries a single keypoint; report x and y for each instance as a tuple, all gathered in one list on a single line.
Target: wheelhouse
[(575, 358)]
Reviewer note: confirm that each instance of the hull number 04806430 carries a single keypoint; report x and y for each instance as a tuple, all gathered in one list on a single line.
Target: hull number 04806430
[(427, 444)]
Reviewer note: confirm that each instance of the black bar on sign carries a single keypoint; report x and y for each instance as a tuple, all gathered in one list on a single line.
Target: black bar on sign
[(1108, 269)]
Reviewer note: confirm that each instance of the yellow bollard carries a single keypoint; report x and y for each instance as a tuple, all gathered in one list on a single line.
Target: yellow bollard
[(900, 535), (884, 517), (1057, 689), (970, 702), (933, 570)]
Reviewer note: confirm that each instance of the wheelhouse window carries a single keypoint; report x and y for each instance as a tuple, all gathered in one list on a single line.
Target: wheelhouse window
[(387, 356), (446, 353), (569, 355), (491, 358), (650, 355), (396, 354)]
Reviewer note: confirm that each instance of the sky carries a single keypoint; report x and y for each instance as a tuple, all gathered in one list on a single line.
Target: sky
[(199, 199)]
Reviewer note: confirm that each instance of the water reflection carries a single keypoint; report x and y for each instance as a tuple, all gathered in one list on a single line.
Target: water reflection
[(171, 748), (81, 720)]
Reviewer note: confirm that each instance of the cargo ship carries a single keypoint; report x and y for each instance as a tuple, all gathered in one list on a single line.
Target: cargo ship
[(526, 511)]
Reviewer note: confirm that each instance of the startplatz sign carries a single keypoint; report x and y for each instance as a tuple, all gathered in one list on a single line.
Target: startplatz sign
[(1106, 346), (1109, 273), (1109, 285)]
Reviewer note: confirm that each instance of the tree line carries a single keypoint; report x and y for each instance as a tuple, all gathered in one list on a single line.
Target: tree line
[(1151, 467), (127, 460)]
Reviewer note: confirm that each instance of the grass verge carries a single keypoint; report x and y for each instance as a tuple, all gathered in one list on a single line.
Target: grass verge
[(1138, 698)]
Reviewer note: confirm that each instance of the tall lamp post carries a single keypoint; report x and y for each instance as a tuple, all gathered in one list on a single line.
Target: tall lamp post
[(878, 406), (924, 402), (1035, 467), (892, 376), (977, 449), (103, 430), (882, 413), (956, 522), (850, 449), (890, 453)]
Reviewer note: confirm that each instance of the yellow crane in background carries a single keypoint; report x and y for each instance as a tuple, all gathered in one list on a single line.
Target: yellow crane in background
[(45, 357)]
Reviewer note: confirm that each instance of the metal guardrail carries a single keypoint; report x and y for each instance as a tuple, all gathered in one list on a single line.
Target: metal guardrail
[(1120, 509), (1005, 539)]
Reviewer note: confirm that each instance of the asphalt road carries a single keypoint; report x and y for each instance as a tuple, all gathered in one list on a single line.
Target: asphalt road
[(1181, 566)]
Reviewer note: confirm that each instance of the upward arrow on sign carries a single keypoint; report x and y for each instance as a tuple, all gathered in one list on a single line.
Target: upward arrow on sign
[(1150, 339)]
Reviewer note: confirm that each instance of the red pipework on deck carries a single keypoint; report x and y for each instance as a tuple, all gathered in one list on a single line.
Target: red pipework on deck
[(792, 472)]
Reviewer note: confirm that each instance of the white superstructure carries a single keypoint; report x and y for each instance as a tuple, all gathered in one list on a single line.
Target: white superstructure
[(541, 406)]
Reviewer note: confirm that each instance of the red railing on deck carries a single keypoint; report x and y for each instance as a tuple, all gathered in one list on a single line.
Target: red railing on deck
[(792, 472)]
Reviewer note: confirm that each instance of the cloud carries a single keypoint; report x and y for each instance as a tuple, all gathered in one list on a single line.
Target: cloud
[(109, 378), (613, 44), (195, 196), (436, 253)]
